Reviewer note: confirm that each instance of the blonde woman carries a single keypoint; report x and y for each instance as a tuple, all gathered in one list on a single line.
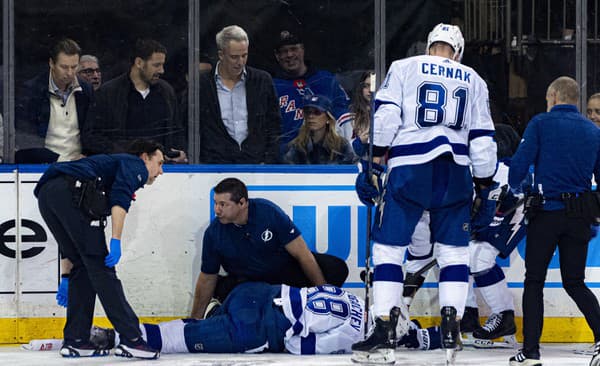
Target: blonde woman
[(318, 142)]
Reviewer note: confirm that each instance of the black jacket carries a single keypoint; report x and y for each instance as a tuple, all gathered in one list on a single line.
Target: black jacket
[(264, 123), (33, 111), (106, 129)]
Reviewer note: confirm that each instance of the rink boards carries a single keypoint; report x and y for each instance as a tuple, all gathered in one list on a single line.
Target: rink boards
[(163, 237)]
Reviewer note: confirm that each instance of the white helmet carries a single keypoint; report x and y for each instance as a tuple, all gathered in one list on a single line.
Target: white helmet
[(449, 34)]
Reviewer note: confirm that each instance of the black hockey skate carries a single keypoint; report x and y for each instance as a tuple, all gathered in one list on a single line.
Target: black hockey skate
[(496, 326), (450, 333), (379, 347), (470, 320)]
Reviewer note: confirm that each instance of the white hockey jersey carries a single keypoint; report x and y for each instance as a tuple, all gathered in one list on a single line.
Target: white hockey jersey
[(325, 319), (430, 105)]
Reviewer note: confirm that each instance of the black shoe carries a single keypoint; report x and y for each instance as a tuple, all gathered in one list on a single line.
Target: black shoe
[(449, 328), (497, 325), (138, 349), (103, 338), (470, 320), (81, 349)]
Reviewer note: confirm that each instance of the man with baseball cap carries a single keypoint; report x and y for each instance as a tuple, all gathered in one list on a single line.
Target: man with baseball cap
[(295, 78)]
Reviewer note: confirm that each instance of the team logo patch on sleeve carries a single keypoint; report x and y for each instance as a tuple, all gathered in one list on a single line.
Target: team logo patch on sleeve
[(266, 235)]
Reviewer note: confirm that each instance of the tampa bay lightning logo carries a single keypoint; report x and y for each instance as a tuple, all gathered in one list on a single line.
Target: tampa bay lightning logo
[(266, 235)]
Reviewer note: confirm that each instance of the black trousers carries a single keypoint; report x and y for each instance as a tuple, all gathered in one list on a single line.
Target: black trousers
[(334, 270), (545, 232), (84, 245)]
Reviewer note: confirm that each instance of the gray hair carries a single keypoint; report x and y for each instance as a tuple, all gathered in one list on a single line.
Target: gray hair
[(89, 58), (231, 33)]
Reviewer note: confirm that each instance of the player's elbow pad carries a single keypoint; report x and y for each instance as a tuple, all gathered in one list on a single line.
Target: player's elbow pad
[(482, 152)]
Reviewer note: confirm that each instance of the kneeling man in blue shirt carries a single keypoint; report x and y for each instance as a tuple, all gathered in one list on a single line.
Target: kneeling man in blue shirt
[(254, 240)]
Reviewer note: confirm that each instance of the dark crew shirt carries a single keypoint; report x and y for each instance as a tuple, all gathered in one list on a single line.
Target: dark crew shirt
[(256, 250)]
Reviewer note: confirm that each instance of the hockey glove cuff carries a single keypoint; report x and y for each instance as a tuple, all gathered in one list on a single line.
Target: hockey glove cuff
[(369, 190), (484, 207)]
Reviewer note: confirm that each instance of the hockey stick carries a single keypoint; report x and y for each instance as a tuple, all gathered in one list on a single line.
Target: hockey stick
[(425, 268), (369, 208)]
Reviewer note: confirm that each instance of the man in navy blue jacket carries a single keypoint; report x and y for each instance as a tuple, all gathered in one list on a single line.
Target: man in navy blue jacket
[(564, 148), (52, 109), (64, 194)]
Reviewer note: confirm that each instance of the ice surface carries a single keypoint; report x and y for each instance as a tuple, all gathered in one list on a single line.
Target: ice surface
[(552, 354)]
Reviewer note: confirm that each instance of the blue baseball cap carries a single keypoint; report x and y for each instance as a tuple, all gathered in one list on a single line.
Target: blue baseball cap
[(319, 102)]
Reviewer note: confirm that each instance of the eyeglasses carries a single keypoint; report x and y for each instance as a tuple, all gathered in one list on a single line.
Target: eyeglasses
[(315, 111), (90, 71)]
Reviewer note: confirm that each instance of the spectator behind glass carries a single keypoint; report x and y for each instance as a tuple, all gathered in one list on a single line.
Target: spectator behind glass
[(89, 70), (239, 118), (318, 142), (295, 78), (52, 110), (137, 104), (593, 109), (358, 131)]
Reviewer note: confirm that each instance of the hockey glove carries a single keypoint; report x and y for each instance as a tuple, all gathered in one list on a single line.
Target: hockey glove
[(62, 295), (369, 191), (115, 253), (410, 340), (484, 207)]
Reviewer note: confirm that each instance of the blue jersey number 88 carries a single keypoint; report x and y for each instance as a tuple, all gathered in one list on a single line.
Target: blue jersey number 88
[(431, 108)]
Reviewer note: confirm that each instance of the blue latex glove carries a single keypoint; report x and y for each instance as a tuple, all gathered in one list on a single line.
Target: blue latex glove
[(115, 253), (62, 295), (369, 191), (484, 207)]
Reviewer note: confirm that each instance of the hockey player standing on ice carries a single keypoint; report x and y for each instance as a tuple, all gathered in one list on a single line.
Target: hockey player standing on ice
[(564, 147), (499, 239), (432, 118)]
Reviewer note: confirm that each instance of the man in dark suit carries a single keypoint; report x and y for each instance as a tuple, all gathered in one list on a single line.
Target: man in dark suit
[(239, 115)]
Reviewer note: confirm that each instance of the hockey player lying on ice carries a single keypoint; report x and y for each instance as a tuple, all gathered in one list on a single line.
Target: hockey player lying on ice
[(258, 317)]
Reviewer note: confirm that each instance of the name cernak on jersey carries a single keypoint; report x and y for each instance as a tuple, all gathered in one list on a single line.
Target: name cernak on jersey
[(428, 68)]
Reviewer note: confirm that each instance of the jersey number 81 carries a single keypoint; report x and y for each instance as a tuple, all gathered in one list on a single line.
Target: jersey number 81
[(431, 108)]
